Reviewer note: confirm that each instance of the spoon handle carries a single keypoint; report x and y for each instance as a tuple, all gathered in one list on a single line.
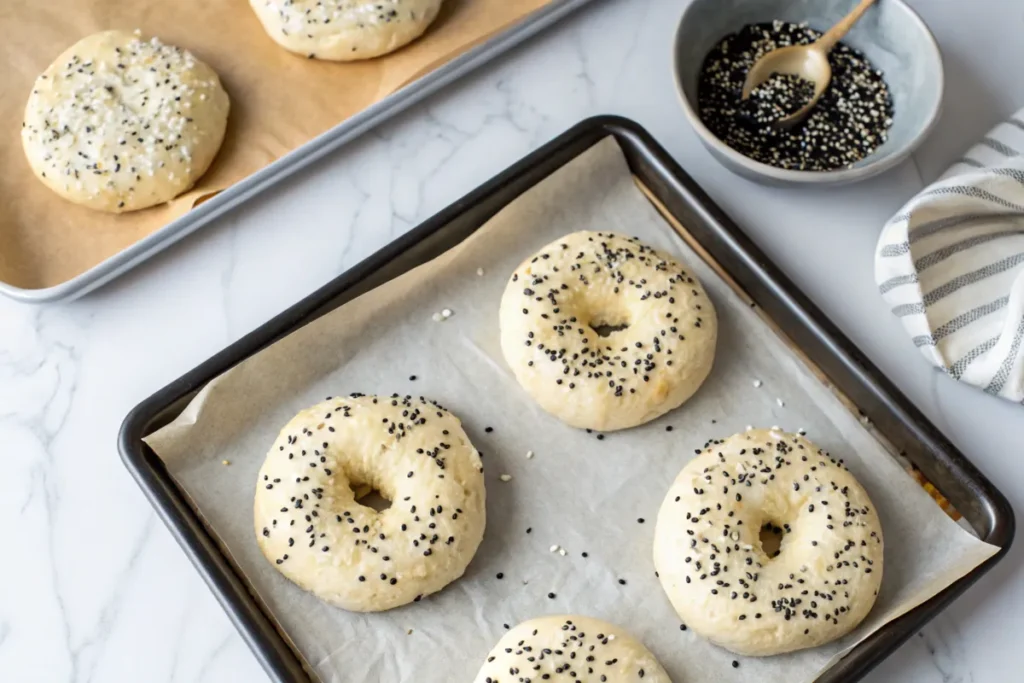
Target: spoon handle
[(836, 33)]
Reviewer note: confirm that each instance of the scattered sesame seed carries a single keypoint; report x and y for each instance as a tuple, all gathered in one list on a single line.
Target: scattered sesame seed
[(780, 402), (225, 462), (529, 455), (757, 383), (480, 272), (506, 477), (447, 313)]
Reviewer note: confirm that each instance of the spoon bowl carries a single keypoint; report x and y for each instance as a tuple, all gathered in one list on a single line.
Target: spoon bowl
[(799, 60)]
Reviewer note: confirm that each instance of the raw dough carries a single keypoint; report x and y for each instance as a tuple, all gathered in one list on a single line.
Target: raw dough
[(570, 648), (311, 528), (587, 280), (712, 565), (345, 30), (120, 123)]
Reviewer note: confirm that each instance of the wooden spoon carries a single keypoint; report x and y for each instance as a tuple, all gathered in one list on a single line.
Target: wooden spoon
[(806, 61)]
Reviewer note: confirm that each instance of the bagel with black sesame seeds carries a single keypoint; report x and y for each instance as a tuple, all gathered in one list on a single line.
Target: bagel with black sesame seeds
[(345, 30), (312, 529), (708, 553), (605, 332), (120, 123), (576, 648)]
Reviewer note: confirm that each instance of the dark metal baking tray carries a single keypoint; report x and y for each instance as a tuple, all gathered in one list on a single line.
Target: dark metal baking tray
[(982, 505)]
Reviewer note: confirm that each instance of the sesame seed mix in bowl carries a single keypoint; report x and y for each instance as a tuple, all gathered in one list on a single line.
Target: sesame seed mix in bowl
[(850, 121)]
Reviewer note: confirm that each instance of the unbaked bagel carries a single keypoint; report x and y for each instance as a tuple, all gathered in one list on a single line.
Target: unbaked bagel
[(310, 526), (659, 330), (345, 30), (710, 559), (570, 648), (119, 123)]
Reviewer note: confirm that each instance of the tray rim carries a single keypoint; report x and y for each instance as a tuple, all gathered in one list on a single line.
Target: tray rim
[(297, 159), (228, 585)]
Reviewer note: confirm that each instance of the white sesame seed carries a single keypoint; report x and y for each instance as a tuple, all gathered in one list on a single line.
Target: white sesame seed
[(506, 477), (447, 313), (437, 317), (480, 272), (757, 384), (553, 549), (529, 455), (780, 402)]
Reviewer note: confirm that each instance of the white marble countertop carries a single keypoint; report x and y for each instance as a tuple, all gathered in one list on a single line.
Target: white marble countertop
[(95, 589)]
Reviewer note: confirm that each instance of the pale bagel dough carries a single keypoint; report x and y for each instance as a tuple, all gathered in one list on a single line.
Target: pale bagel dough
[(570, 648), (345, 30), (119, 123), (311, 528), (586, 280), (710, 561)]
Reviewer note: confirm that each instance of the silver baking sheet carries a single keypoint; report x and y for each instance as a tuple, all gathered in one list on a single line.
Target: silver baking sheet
[(578, 493), (298, 159)]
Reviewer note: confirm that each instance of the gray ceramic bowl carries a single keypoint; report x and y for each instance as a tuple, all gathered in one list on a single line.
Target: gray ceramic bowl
[(890, 34)]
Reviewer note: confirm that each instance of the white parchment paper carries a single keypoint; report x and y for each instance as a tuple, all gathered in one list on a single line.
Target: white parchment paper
[(598, 497)]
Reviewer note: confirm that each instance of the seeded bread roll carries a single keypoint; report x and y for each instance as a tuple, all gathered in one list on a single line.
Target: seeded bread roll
[(314, 531), (570, 648), (711, 562), (118, 123), (345, 30), (605, 332)]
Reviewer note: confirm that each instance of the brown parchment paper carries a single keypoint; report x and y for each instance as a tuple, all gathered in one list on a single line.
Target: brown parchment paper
[(580, 493), (278, 102)]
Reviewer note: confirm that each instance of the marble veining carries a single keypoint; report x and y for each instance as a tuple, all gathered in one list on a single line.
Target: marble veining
[(94, 589)]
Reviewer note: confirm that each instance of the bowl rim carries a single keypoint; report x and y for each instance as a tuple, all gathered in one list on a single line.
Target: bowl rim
[(814, 177)]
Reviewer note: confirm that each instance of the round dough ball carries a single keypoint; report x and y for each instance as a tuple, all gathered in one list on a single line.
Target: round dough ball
[(345, 30), (310, 526), (570, 648), (708, 551), (118, 123), (561, 316)]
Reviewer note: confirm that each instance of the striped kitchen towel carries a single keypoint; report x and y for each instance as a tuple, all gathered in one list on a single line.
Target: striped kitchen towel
[(950, 265)]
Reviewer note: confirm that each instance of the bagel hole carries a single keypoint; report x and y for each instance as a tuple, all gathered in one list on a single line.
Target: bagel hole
[(367, 496), (771, 539), (607, 329)]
